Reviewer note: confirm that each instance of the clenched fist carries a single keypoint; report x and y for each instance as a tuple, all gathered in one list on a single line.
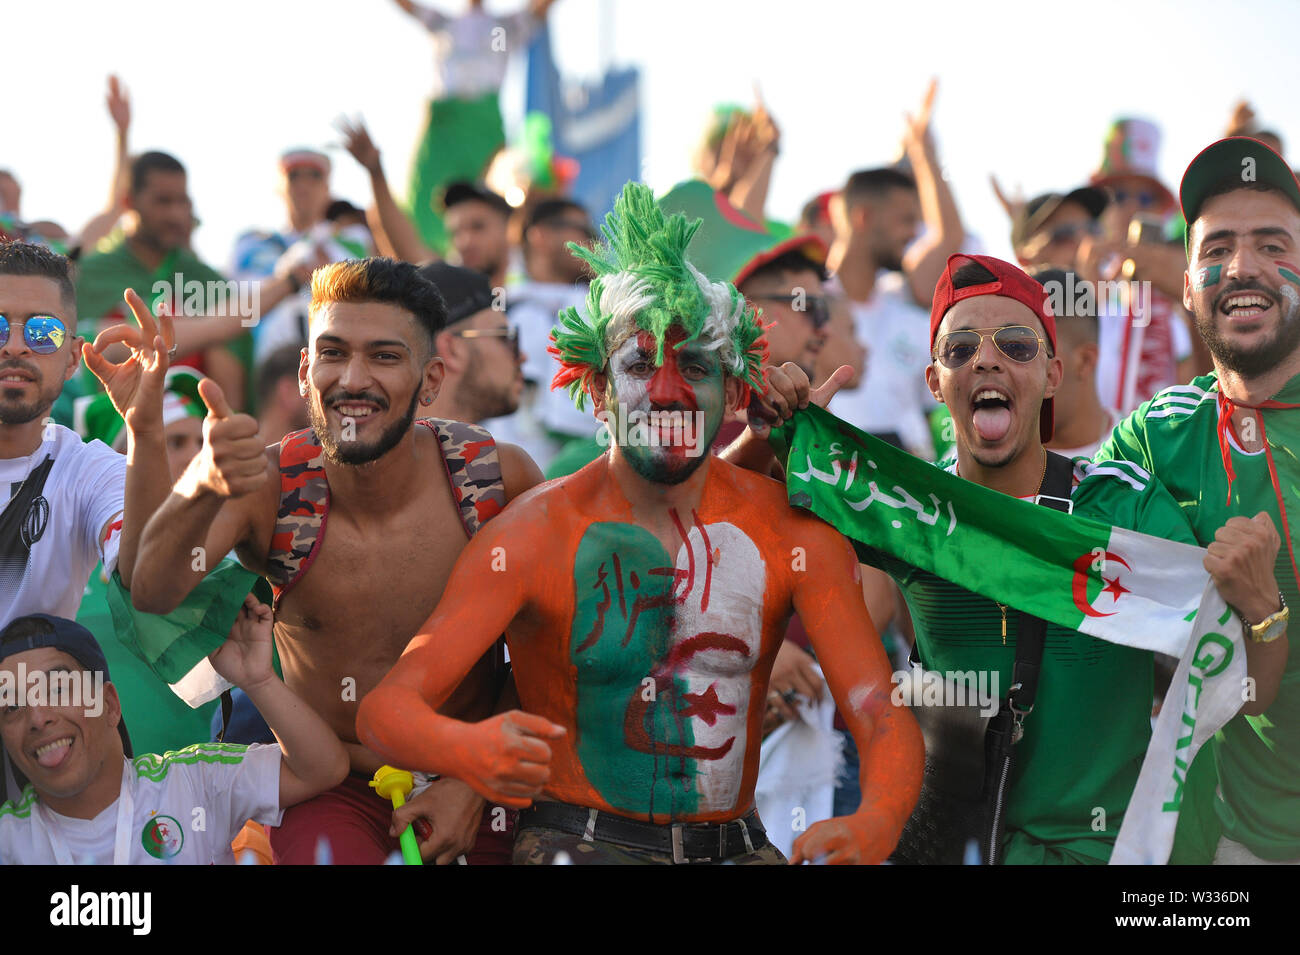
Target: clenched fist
[(506, 758)]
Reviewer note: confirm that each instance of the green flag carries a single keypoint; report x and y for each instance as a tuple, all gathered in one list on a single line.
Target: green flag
[(1111, 583), (175, 646)]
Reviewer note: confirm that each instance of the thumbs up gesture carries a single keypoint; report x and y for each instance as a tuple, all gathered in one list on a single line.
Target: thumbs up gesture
[(233, 459)]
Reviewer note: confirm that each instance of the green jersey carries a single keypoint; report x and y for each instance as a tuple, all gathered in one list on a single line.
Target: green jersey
[(1085, 739), (1176, 436)]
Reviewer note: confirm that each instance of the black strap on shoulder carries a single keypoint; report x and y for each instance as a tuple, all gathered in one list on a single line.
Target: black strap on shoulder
[(1058, 480)]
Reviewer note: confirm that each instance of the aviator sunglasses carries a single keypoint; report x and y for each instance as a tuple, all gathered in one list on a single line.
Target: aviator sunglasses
[(1020, 343), (44, 334)]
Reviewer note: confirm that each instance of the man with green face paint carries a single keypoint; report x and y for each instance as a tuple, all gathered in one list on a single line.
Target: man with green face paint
[(642, 651)]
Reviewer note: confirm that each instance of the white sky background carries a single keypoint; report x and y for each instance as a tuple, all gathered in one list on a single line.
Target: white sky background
[(1025, 89)]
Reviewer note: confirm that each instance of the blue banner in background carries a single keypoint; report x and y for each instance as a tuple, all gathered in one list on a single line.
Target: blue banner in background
[(597, 124)]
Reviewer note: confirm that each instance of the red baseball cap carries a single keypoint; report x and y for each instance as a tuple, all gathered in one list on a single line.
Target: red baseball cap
[(1010, 282)]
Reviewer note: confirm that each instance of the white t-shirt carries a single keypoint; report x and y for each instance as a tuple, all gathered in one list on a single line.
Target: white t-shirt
[(893, 395), (471, 50), (44, 566), (181, 808)]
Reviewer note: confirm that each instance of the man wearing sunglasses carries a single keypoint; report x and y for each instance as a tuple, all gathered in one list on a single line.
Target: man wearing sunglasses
[(64, 499), (483, 367)]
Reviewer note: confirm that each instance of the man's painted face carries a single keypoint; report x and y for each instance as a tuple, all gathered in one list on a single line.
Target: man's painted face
[(691, 384), (55, 743), (1243, 280), (366, 368), (30, 382), (994, 400)]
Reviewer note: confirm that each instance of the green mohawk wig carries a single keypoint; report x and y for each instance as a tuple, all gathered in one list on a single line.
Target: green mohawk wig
[(644, 283)]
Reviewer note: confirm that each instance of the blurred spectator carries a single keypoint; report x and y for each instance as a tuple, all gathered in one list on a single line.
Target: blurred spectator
[(308, 241), (1144, 339), (1048, 229), (464, 130), (556, 280), (1081, 421), (153, 257), (483, 368), (478, 223), (737, 154), (815, 218), (281, 408)]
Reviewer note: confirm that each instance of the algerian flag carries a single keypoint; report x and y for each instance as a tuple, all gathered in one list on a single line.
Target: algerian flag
[(175, 646), (1108, 582)]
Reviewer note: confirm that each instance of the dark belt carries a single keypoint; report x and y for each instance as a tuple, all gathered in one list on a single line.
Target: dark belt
[(685, 842)]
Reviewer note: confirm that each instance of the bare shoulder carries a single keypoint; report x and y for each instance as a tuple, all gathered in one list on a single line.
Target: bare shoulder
[(758, 488), (519, 472)]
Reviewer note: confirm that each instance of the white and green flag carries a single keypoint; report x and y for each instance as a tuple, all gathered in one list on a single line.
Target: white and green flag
[(1108, 582)]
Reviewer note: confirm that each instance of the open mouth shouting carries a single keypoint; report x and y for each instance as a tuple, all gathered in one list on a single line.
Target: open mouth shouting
[(991, 408)]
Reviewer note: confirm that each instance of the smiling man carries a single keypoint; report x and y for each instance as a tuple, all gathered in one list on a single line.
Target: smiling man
[(63, 499), (1226, 446), (642, 654), (90, 802), (401, 498)]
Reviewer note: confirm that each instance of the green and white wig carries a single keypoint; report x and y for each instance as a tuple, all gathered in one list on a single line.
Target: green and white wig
[(643, 282)]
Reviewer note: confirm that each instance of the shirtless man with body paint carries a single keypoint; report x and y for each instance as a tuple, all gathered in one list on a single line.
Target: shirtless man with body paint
[(642, 653)]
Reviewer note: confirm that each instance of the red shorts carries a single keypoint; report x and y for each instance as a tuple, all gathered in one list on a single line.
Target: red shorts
[(354, 823)]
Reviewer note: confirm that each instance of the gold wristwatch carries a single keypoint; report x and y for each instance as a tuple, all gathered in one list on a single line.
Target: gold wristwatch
[(1271, 627)]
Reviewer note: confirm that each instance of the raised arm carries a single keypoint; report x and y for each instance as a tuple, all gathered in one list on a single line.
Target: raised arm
[(312, 758), (219, 503), (944, 232), (504, 758), (394, 233), (828, 597)]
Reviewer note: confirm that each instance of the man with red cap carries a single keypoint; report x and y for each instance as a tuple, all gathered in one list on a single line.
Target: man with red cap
[(994, 364)]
